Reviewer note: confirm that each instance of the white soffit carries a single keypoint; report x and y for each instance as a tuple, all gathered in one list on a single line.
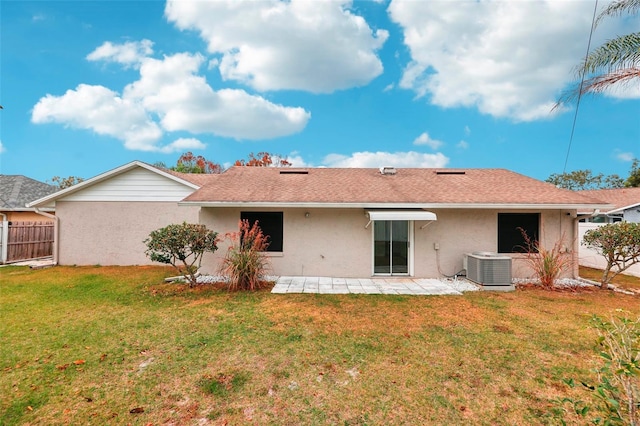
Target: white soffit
[(400, 215)]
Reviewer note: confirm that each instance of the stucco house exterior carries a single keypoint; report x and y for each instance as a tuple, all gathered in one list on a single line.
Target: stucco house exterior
[(322, 221), (16, 191), (625, 206), (104, 220), (625, 201)]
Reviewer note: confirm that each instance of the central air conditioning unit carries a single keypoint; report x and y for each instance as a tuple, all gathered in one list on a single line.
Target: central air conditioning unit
[(491, 270)]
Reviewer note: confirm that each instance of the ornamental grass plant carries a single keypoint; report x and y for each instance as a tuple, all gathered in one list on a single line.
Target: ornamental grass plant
[(245, 264), (547, 263)]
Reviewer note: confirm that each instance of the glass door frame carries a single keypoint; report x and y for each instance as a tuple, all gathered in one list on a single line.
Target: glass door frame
[(410, 253)]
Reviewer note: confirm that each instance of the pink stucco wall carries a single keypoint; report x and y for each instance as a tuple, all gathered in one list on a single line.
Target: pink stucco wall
[(334, 242), (26, 217), (112, 233)]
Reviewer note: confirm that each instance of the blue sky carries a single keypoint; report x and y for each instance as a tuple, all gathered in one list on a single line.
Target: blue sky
[(87, 86)]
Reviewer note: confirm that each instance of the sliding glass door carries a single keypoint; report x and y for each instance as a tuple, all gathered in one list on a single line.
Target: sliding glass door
[(391, 247)]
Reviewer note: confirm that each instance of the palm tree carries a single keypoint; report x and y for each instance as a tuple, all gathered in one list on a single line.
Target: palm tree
[(616, 61)]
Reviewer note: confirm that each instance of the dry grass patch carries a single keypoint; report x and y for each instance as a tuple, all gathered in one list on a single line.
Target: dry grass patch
[(206, 356)]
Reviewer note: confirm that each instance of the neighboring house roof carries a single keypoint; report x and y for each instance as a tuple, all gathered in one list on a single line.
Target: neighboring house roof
[(16, 191), (193, 181), (621, 198), (351, 187)]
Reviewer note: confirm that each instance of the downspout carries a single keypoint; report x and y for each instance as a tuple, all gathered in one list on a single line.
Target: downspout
[(4, 239), (56, 221)]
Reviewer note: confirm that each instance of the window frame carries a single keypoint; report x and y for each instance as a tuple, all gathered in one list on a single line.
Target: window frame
[(252, 217), (508, 233)]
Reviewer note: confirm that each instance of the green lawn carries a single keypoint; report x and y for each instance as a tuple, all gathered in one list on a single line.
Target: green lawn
[(628, 282), (90, 345)]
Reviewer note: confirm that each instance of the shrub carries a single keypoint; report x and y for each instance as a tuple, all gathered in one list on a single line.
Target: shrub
[(547, 264), (616, 396), (619, 243), (182, 246), (245, 263)]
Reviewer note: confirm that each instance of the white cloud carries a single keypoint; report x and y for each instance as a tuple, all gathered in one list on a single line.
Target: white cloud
[(2, 148), (467, 130), (462, 145), (380, 159), (103, 111), (316, 46), (296, 160), (425, 139), (184, 101), (628, 90), (130, 53), (389, 87), (171, 90), (183, 144), (506, 58), (624, 156)]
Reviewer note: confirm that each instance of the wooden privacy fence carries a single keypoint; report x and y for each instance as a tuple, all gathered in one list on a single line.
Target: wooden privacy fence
[(29, 240)]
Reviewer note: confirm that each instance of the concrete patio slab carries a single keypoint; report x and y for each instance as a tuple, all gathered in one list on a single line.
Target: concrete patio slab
[(330, 285)]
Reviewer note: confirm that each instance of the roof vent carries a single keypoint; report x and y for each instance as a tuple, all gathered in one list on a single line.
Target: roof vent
[(294, 172), (450, 172), (388, 170)]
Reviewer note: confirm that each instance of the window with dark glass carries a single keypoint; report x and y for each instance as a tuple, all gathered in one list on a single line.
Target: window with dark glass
[(510, 229), (271, 225)]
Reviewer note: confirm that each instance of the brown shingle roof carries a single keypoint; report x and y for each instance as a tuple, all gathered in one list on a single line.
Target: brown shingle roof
[(622, 197), (199, 179), (369, 186)]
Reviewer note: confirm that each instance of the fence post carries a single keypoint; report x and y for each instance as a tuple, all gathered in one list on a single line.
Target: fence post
[(4, 239)]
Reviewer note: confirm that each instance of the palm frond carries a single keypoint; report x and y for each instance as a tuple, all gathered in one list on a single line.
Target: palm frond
[(602, 82), (598, 84), (619, 53), (618, 8)]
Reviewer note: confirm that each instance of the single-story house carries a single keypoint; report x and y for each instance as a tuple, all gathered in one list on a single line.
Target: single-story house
[(323, 221), (625, 201), (625, 206), (16, 191), (28, 237)]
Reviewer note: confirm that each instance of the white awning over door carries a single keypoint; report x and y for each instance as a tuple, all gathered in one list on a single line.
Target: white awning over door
[(401, 215)]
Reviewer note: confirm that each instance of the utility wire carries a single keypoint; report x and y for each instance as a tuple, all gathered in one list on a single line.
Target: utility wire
[(575, 116)]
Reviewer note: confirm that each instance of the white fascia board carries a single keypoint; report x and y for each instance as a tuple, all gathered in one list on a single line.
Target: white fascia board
[(26, 209), (401, 215), (49, 199), (269, 204), (622, 209)]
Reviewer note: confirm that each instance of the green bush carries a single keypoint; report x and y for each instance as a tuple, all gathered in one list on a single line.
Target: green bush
[(245, 264), (616, 397), (182, 246), (619, 243)]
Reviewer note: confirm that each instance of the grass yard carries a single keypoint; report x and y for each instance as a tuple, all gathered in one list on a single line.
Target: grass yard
[(628, 282), (115, 345)]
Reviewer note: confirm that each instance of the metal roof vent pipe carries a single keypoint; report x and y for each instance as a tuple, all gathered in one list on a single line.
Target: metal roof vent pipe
[(388, 170)]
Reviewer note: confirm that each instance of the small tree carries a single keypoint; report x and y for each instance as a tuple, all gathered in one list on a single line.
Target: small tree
[(181, 246), (245, 263), (264, 159), (63, 183), (189, 163), (634, 175), (619, 243), (578, 180)]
